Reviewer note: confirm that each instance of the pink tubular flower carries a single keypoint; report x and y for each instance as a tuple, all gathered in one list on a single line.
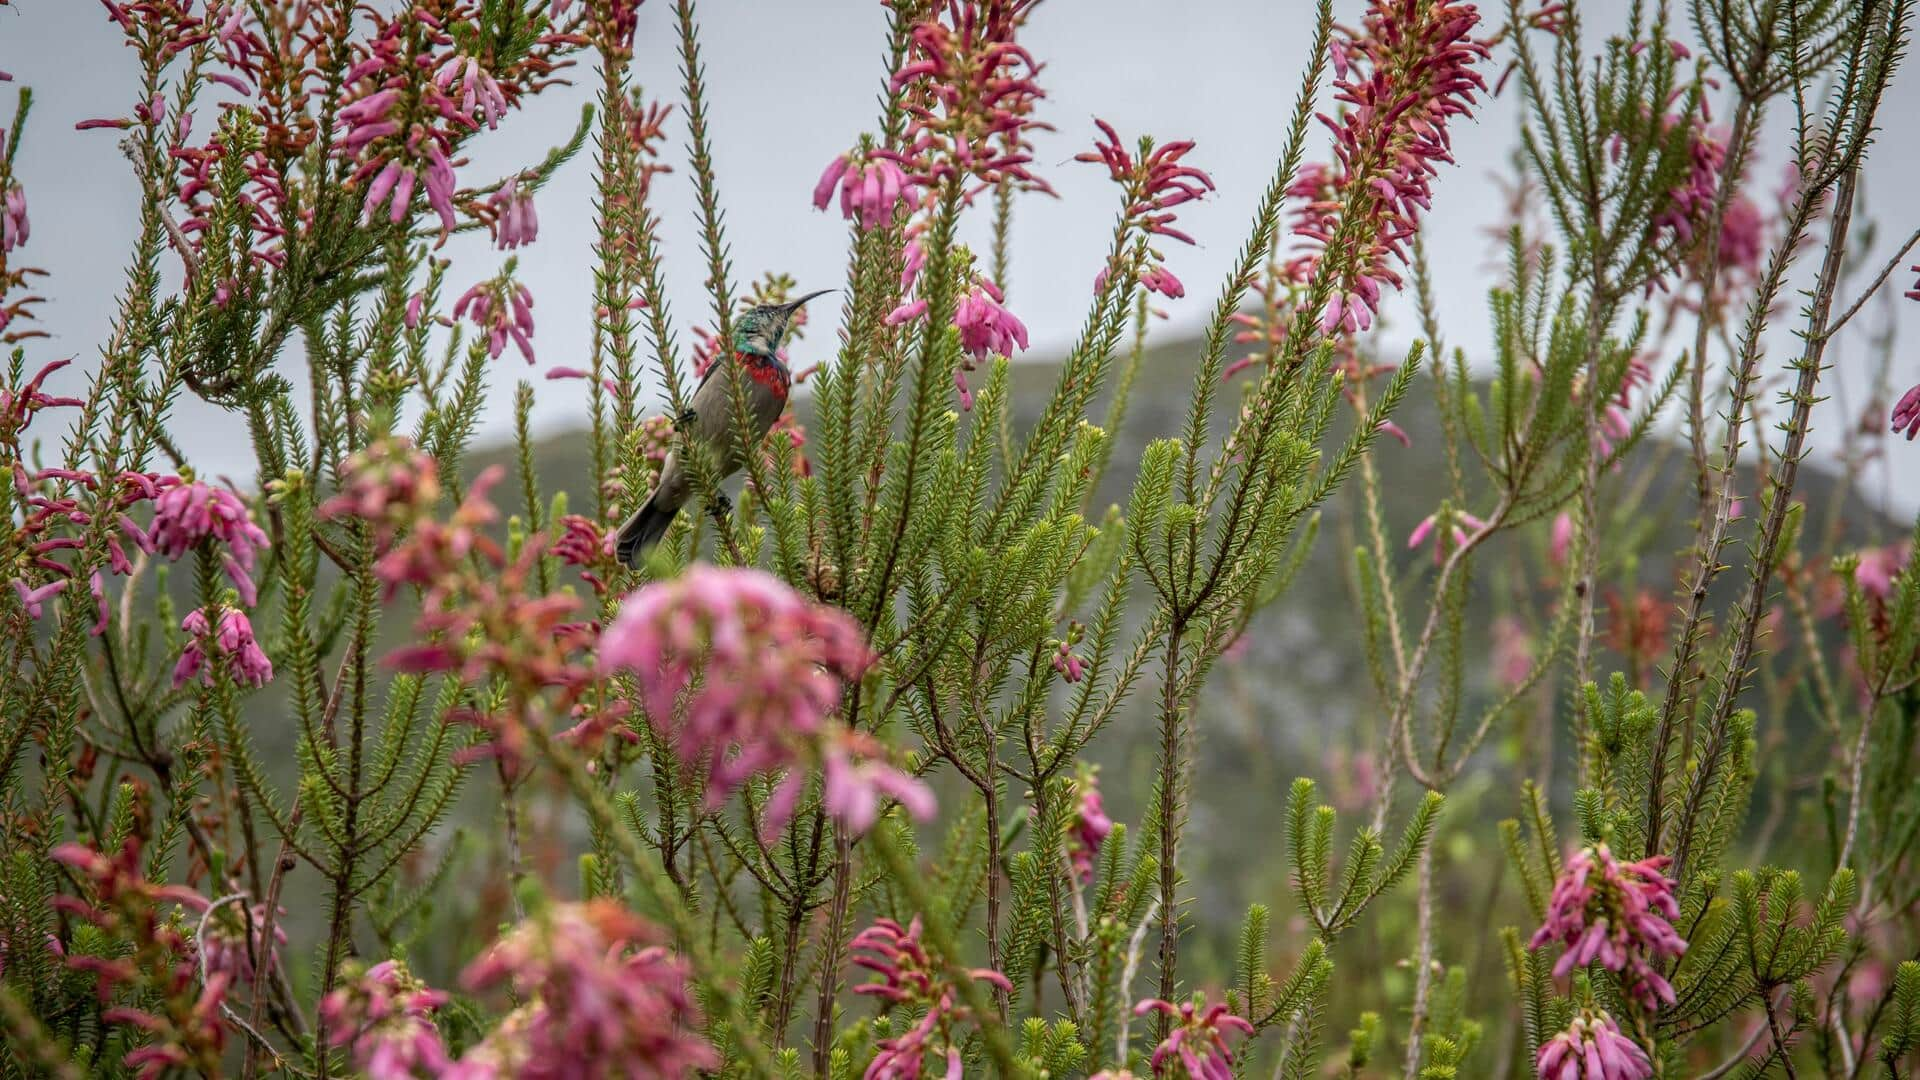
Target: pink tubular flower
[(600, 993), (1401, 77), (1198, 1037), (1592, 1048), (1618, 914), (514, 221), (970, 90), (385, 1017), (1154, 185), (1089, 828), (1906, 413), (34, 599), (1879, 568), (986, 328), (232, 642), (772, 665), (14, 227), (185, 514), (504, 310), (1512, 652), (872, 189), (1743, 236), (910, 977)]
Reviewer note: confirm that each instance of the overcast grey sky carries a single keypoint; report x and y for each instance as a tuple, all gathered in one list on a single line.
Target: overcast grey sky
[(792, 84)]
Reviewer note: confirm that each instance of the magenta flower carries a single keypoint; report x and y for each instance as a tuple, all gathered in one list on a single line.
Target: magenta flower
[(1198, 1037), (910, 977), (1906, 413), (871, 190), (1689, 203), (185, 514), (970, 93), (14, 227), (1617, 914), (385, 1018), (1592, 1048), (34, 599), (232, 643), (986, 328), (504, 310), (514, 221), (600, 995), (479, 90), (1402, 76), (769, 664), (1561, 541), (234, 939), (1090, 826), (388, 484)]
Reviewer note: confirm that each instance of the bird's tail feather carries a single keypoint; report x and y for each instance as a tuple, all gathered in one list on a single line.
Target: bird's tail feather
[(643, 530)]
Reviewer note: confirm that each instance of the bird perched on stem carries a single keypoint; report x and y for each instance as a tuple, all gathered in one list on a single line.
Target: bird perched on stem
[(709, 419)]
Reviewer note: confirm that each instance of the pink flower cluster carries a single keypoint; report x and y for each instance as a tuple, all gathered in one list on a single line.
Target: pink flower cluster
[(1198, 1037), (1618, 914), (504, 309), (512, 216), (760, 668), (1691, 201), (1402, 76), (910, 977), (1066, 662), (1906, 413), (872, 188), (601, 997), (1154, 185), (232, 643), (1592, 1048), (152, 957), (186, 514), (970, 91), (986, 326), (1090, 826), (389, 484), (385, 1019)]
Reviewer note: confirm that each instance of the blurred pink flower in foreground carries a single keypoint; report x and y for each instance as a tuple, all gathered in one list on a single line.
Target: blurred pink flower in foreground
[(386, 1017), (232, 642), (1618, 914), (769, 666), (1198, 1036), (1592, 1048), (600, 995)]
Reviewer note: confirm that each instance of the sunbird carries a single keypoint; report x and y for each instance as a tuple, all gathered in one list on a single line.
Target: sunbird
[(757, 335)]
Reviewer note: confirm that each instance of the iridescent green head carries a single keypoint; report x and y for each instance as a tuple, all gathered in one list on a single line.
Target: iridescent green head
[(761, 330)]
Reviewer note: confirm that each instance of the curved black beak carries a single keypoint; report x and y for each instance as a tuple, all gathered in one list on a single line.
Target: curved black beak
[(795, 305)]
